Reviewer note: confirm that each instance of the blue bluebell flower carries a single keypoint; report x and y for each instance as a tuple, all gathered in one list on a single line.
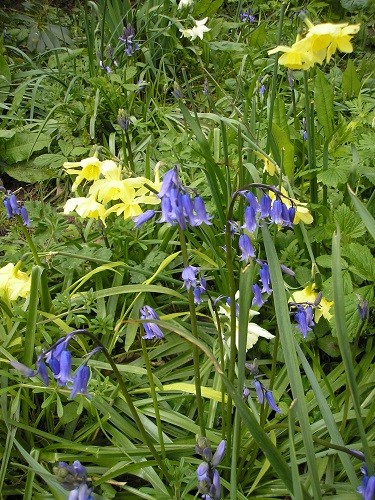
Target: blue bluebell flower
[(152, 330), (247, 16), (265, 278), (303, 130), (13, 208), (208, 477), (265, 206), (250, 219), (271, 401), (246, 248), (143, 217), (257, 298), (189, 275), (198, 290), (177, 207), (367, 488), (259, 390), (58, 358), (74, 478), (123, 119), (130, 46), (80, 381), (362, 308), (304, 317), (276, 212)]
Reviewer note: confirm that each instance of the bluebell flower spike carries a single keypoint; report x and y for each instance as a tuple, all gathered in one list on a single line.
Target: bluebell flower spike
[(152, 330), (246, 248)]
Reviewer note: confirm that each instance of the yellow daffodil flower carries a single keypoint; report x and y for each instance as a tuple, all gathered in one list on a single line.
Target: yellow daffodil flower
[(13, 283), (330, 37), (309, 294), (89, 170), (85, 207), (320, 43)]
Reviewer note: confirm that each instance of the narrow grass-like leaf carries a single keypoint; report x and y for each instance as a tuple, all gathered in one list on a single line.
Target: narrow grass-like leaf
[(291, 361), (367, 218)]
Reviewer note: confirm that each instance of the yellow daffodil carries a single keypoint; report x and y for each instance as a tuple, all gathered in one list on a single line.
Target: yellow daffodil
[(320, 43), (13, 283), (309, 294), (89, 170), (197, 31), (85, 207), (330, 37)]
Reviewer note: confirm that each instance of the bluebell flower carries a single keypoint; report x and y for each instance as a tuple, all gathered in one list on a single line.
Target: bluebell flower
[(262, 90), (265, 278), (73, 478), (247, 16), (176, 205), (152, 330), (80, 381), (259, 390), (246, 248), (252, 200), (257, 298), (362, 308), (189, 275), (123, 119), (271, 401), (303, 130), (304, 318), (206, 89), (201, 215), (208, 477), (367, 488), (198, 290), (276, 212), (250, 219), (265, 206), (130, 46), (142, 218), (65, 365), (13, 208)]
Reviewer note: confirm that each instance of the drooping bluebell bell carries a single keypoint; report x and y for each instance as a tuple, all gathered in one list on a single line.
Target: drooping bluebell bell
[(276, 212), (208, 476), (265, 206), (303, 130), (250, 219), (177, 207), (257, 298), (143, 217), (13, 208), (152, 330), (189, 275), (362, 308), (123, 119), (304, 316), (130, 45), (58, 357), (247, 16), (246, 248), (367, 488), (265, 278), (262, 392), (74, 479)]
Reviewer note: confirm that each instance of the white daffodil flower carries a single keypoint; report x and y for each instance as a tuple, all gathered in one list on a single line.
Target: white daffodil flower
[(197, 31)]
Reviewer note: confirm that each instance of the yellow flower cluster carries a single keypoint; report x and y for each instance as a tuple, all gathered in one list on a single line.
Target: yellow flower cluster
[(13, 283), (108, 185), (319, 44)]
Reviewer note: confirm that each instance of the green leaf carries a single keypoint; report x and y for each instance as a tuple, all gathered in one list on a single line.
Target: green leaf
[(281, 134), (28, 171), (206, 8), (365, 215), (5, 79), (352, 5), (323, 96), (227, 46), (351, 84), (335, 175), (258, 37), (361, 260), (350, 224), (23, 144)]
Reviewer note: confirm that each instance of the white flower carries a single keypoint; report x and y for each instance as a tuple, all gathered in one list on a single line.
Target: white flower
[(197, 31), (254, 331), (185, 3)]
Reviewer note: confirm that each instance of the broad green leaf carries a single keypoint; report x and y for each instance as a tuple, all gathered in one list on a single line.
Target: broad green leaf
[(351, 226), (207, 392), (353, 5), (5, 79), (323, 96), (258, 36), (227, 46), (23, 144), (351, 84), (206, 8), (334, 176), (361, 260), (30, 171), (365, 215), (285, 147)]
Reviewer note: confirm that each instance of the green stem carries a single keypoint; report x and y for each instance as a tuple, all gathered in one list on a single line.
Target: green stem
[(154, 397), (309, 111), (132, 408), (194, 331)]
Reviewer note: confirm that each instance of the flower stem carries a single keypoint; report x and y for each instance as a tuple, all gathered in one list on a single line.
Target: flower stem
[(154, 397), (194, 331)]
